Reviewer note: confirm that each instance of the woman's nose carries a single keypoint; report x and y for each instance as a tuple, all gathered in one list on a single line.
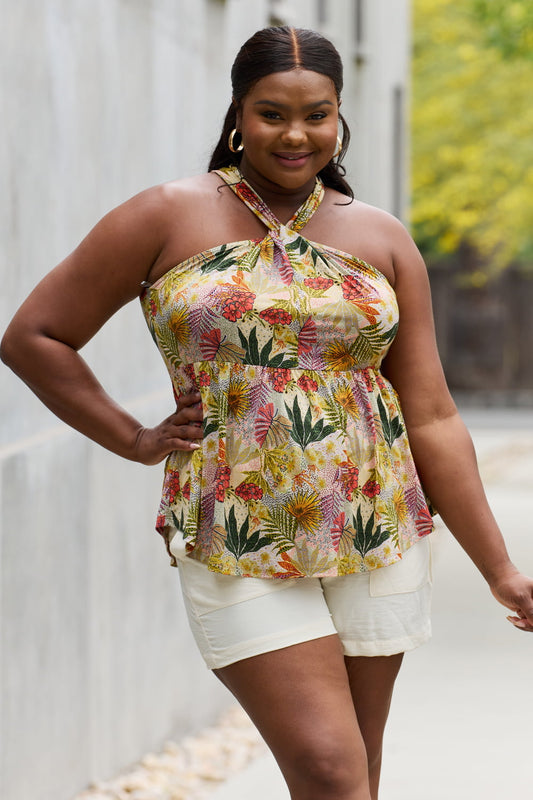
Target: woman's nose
[(294, 134)]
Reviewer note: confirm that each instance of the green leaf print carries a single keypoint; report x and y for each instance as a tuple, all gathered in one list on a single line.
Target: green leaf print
[(303, 246), (167, 343), (179, 524), (238, 542), (392, 427), (221, 261), (262, 357), (281, 529), (303, 431), (371, 341), (336, 415), (299, 245), (368, 535)]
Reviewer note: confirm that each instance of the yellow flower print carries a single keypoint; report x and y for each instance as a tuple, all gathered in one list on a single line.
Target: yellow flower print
[(338, 356), (293, 461), (246, 565), (267, 249), (350, 563), (305, 508), (179, 324), (238, 398), (400, 506), (372, 561), (344, 397), (320, 461)]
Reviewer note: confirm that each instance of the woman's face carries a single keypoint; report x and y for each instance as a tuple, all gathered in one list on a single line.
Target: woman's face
[(289, 127)]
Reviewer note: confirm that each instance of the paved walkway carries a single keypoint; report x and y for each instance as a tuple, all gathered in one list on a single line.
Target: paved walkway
[(461, 723)]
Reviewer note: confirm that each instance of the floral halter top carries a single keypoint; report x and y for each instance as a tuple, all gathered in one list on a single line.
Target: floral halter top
[(304, 467)]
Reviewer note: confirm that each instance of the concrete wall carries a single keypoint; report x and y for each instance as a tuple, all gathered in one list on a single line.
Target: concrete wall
[(100, 99)]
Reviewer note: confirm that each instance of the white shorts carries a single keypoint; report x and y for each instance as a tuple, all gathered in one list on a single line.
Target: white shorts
[(375, 613)]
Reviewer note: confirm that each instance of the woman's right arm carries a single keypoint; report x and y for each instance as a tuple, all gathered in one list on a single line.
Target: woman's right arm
[(70, 305)]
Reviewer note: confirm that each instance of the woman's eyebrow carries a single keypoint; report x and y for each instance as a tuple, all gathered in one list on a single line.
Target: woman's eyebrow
[(307, 107)]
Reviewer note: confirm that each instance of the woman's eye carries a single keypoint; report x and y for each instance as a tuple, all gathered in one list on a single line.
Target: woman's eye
[(318, 115), (271, 114)]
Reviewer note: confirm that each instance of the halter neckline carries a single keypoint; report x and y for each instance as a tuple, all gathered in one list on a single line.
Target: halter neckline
[(240, 186)]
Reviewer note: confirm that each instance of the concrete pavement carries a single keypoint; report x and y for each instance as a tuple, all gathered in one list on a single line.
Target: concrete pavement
[(460, 726)]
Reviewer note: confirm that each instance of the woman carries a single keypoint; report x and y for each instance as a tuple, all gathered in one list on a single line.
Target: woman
[(291, 500)]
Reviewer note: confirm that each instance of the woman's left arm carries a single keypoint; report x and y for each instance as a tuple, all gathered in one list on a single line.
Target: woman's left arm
[(442, 447)]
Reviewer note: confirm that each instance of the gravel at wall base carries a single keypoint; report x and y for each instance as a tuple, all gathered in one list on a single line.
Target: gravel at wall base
[(188, 770)]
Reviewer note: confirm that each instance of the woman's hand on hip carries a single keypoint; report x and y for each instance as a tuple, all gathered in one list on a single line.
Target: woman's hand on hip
[(180, 431)]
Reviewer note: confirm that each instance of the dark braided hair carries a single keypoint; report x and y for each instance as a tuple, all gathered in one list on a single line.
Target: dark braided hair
[(280, 50)]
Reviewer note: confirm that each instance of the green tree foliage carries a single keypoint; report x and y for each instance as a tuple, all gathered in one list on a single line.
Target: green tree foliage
[(472, 131)]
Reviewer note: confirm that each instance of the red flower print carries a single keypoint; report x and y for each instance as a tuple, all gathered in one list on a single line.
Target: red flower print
[(276, 316), (153, 307), (371, 488), (279, 378), (172, 486), (366, 378), (237, 303), (349, 477), (222, 480), (188, 369), (249, 491), (186, 491), (204, 379), (352, 288), (307, 384), (320, 284)]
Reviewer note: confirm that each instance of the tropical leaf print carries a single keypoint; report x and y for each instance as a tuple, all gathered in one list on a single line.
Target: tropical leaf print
[(248, 261), (275, 461), (271, 428), (215, 347), (371, 341), (238, 542), (202, 319), (368, 535), (301, 246), (221, 261), (307, 336), (303, 430), (391, 426), (309, 561), (281, 528), (167, 345), (252, 354), (335, 415), (304, 468)]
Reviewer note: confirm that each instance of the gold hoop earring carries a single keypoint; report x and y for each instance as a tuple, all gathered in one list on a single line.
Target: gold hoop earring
[(339, 147), (231, 144)]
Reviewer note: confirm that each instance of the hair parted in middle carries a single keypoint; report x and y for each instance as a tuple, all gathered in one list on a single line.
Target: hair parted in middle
[(282, 49)]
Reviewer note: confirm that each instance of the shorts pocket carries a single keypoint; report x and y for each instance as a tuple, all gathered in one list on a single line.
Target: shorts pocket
[(406, 575), (210, 591)]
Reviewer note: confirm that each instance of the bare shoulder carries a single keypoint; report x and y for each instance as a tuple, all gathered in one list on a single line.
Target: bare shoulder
[(367, 232), (182, 192)]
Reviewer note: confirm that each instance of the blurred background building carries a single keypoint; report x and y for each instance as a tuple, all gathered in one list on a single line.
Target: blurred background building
[(102, 98)]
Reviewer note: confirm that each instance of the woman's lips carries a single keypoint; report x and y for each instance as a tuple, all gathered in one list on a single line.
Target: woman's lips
[(292, 159)]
